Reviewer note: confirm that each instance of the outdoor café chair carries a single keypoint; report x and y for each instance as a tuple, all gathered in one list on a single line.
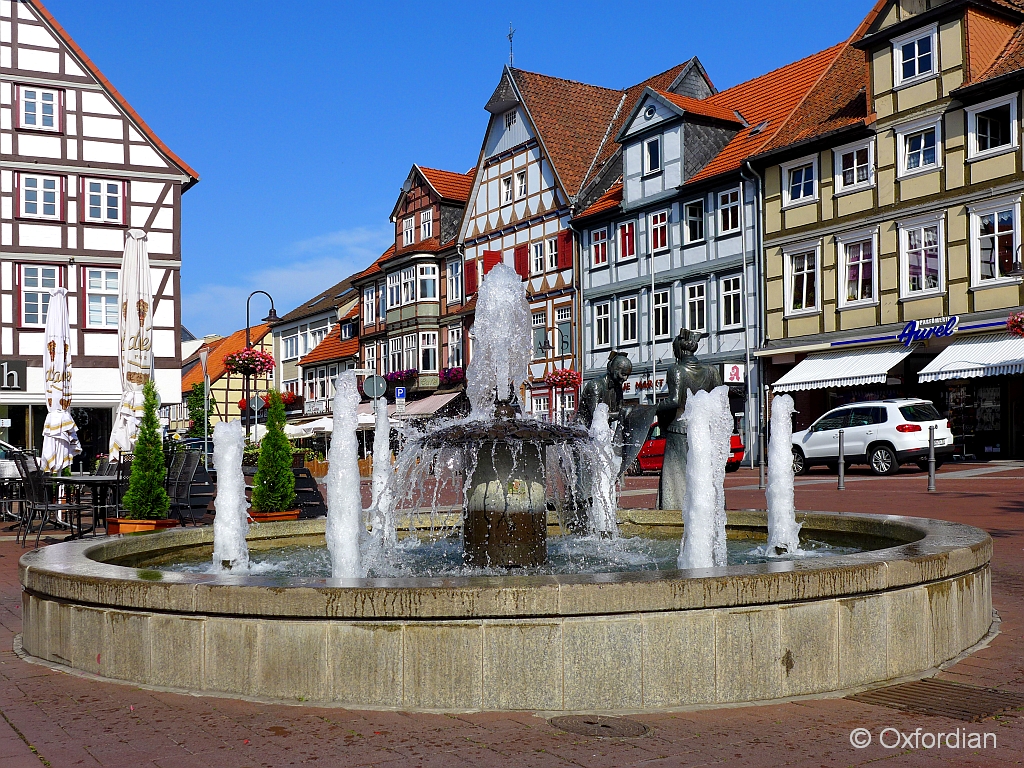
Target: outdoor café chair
[(39, 504), (181, 498)]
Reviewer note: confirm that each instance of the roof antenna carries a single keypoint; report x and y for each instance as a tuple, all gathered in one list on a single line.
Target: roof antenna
[(511, 33)]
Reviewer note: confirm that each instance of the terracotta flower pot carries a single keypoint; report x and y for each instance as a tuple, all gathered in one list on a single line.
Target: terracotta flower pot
[(273, 517), (117, 525)]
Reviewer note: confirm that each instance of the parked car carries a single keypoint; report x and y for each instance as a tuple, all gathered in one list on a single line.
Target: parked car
[(652, 454), (882, 434)]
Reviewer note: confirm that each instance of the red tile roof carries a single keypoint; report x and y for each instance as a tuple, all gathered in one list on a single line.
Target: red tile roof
[(95, 71), (1009, 60), (610, 199), (333, 347), (449, 184), (219, 349), (705, 108), (374, 268)]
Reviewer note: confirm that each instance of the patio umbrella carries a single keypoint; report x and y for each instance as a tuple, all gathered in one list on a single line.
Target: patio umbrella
[(60, 435), (135, 337)]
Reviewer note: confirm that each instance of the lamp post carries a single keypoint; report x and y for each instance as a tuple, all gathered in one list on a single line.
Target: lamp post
[(270, 318), (204, 353)]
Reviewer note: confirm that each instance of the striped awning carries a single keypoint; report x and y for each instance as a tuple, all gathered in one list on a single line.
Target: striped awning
[(990, 354), (847, 368)]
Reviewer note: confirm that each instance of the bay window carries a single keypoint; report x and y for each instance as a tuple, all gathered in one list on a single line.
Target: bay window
[(394, 354), (455, 346), (428, 281), (428, 351), (394, 290), (409, 351), (408, 285)]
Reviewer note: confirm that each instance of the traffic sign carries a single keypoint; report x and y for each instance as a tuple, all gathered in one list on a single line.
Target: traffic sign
[(399, 399), (363, 371), (374, 386)]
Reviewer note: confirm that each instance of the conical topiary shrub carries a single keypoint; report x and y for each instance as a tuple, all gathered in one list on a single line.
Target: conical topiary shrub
[(146, 498), (274, 486)]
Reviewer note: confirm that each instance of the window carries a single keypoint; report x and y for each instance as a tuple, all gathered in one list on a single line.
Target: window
[(552, 250), (696, 307), (520, 184), (40, 108), (409, 285), (39, 196), (36, 284), (537, 263), (599, 247), (914, 56), (394, 290), (994, 240), (382, 307), (428, 281), (346, 330), (602, 325), (800, 182), (661, 315), (454, 280), (103, 201), (290, 346), (541, 404), (802, 270), (409, 351), (291, 385), (563, 333), (854, 167), (732, 302), (510, 119), (729, 211), (920, 257), (310, 379), (428, 351), (693, 213), (369, 306), (627, 320), (370, 357), (506, 190), (316, 335), (408, 231), (652, 155), (992, 127), (659, 231), (455, 346), (395, 354), (918, 146), (426, 224), (859, 272), (102, 299), (627, 240), (539, 325)]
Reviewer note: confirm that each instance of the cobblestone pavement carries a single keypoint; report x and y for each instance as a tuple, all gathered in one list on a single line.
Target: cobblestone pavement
[(56, 719)]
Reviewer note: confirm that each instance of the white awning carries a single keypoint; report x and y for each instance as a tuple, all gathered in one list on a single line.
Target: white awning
[(848, 368), (429, 405), (990, 354)]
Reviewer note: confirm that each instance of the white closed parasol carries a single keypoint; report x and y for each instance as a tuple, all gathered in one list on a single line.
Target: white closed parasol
[(60, 435), (135, 337)]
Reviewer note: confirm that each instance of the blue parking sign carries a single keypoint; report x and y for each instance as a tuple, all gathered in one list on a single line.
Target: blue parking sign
[(400, 393)]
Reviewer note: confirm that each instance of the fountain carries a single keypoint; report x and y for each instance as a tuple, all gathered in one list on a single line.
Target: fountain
[(783, 529), (344, 507), (231, 524)]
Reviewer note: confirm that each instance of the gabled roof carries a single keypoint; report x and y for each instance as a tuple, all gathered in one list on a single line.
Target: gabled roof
[(704, 108), (333, 297), (220, 349), (92, 69), (609, 200), (333, 347), (374, 268), (1009, 60), (449, 185)]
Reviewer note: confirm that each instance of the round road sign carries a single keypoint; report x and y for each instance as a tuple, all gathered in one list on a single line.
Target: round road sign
[(374, 386)]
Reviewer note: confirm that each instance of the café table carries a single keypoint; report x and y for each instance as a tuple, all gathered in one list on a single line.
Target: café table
[(100, 487)]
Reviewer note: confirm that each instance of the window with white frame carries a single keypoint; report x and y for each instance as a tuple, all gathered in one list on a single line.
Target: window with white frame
[(347, 329), (395, 354), (599, 247), (802, 281), (40, 196), (370, 357), (39, 108), (394, 290), (316, 335), (428, 281), (510, 119), (552, 251), (661, 314), (731, 298), (729, 211), (506, 190), (520, 185), (854, 167), (918, 145), (103, 201), (382, 296), (602, 325), (627, 320), (428, 351), (309, 378), (801, 179), (567, 401), (408, 231), (541, 404), (369, 306), (409, 351), (454, 280), (537, 261), (426, 224), (914, 56), (993, 242), (696, 308), (455, 346), (539, 328), (859, 272), (693, 214), (992, 127), (409, 285), (292, 385), (563, 330), (36, 284), (652, 155), (101, 297), (290, 346), (658, 225), (921, 257), (627, 241)]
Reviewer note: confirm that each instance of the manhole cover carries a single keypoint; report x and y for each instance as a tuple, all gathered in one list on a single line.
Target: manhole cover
[(595, 725), (941, 697)]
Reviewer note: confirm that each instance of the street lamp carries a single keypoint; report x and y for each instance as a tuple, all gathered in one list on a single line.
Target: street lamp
[(204, 353), (270, 318)]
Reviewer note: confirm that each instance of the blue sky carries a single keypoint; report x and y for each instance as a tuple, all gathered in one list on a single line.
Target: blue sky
[(303, 119)]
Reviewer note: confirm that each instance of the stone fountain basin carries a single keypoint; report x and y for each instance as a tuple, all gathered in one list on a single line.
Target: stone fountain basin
[(605, 642)]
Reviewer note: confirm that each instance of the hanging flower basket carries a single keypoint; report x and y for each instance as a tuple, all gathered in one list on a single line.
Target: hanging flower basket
[(565, 379), (401, 376), (1015, 323), (249, 362), (452, 376)]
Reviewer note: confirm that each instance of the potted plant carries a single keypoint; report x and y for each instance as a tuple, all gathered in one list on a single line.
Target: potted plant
[(249, 362), (273, 490), (146, 501)]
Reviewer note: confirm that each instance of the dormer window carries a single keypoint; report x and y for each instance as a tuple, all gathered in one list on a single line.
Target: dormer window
[(510, 119), (914, 56), (652, 155), (346, 331), (408, 231)]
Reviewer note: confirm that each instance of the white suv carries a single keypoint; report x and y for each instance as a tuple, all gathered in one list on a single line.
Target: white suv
[(882, 434)]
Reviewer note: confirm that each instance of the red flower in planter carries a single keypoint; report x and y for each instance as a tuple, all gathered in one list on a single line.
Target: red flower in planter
[(565, 378), (1015, 323), (249, 362)]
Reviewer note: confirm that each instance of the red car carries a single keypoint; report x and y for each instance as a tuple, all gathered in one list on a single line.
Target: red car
[(652, 454)]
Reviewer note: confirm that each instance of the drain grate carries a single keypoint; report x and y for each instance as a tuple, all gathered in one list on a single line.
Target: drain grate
[(596, 725), (944, 698)]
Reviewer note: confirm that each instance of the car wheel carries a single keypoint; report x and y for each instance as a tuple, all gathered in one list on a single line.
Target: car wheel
[(883, 460), (799, 464)]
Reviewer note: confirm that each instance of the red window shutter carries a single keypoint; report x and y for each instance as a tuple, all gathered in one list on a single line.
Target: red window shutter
[(565, 241), (470, 277), (491, 258), (522, 258)]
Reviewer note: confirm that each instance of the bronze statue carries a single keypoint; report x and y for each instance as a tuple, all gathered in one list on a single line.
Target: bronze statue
[(607, 389), (688, 374)]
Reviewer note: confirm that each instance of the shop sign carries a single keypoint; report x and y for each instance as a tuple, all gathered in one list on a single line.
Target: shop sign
[(734, 373), (13, 374), (936, 327)]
